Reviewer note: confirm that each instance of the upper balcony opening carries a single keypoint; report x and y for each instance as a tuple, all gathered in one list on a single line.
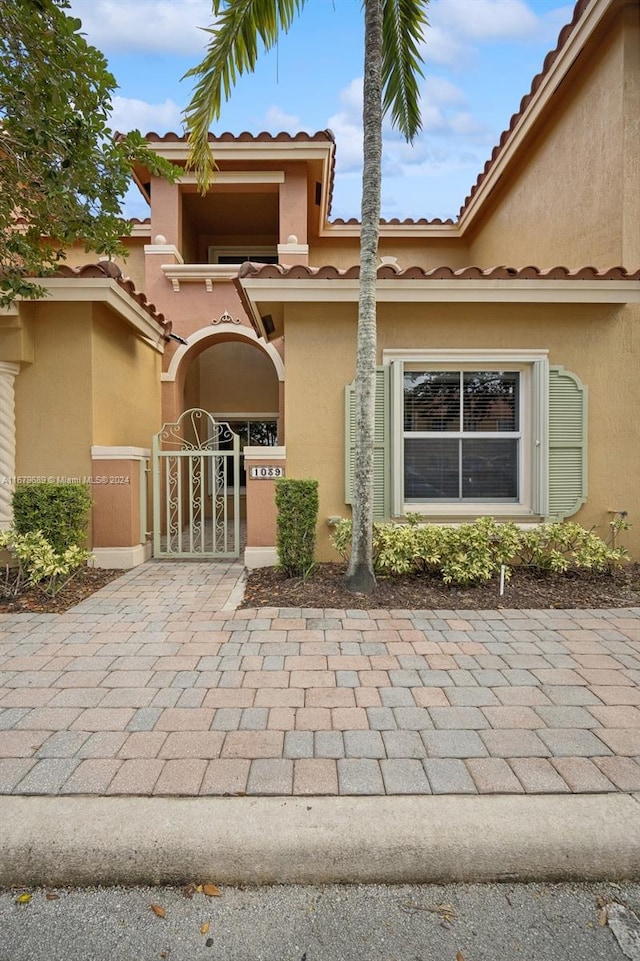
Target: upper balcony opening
[(232, 224)]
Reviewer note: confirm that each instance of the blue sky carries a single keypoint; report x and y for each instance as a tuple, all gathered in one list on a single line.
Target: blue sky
[(480, 58)]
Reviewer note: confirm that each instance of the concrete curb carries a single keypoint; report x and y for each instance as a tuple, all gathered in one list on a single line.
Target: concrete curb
[(86, 840)]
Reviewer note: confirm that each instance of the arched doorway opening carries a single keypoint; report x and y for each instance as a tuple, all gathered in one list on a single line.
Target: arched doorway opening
[(236, 382), (221, 377)]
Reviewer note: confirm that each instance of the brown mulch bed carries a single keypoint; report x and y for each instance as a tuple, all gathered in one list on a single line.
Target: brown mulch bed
[(86, 582), (267, 587)]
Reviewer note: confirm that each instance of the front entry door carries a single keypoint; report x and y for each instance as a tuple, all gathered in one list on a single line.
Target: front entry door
[(196, 488)]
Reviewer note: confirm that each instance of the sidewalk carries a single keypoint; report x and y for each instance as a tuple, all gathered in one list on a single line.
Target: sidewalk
[(157, 686)]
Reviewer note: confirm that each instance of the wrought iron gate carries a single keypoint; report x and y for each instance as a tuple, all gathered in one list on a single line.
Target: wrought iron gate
[(196, 488)]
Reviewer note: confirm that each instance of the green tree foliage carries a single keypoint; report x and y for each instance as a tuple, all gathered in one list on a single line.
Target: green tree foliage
[(393, 31), (62, 172)]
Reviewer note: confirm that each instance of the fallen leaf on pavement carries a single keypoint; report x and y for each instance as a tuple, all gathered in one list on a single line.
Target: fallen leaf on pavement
[(52, 896), (446, 912), (189, 890), (158, 910), (205, 928), (211, 891), (459, 956), (602, 917), (625, 925), (23, 898)]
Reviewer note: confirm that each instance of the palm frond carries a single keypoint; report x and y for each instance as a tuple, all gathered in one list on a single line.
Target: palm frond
[(232, 50), (402, 34)]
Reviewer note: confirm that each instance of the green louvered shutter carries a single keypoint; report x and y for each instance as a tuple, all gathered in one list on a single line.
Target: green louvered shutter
[(567, 443), (380, 447)]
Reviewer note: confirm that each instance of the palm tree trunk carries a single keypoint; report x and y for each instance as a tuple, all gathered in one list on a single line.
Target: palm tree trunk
[(360, 577)]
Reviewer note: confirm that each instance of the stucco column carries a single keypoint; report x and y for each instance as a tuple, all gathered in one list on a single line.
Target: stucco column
[(8, 374), (262, 514)]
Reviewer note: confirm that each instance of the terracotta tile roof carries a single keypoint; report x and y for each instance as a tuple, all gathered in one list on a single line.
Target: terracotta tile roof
[(107, 269), (388, 272), (246, 136), (420, 222), (321, 136)]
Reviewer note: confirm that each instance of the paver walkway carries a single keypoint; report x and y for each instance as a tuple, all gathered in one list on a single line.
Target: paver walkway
[(158, 685)]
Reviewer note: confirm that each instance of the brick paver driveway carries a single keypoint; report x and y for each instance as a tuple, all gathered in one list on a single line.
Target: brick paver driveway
[(157, 685)]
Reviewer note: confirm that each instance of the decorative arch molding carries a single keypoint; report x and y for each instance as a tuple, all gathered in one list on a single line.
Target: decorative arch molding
[(207, 333)]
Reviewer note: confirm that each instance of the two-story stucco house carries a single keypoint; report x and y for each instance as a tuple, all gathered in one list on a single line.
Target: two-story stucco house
[(508, 339)]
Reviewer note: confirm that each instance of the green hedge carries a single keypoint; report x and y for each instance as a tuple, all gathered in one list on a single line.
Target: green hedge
[(475, 552), (297, 503), (60, 511)]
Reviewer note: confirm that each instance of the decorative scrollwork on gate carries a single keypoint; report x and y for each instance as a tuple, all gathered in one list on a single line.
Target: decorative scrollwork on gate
[(195, 430)]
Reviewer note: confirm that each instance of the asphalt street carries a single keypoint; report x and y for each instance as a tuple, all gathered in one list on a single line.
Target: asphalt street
[(490, 922)]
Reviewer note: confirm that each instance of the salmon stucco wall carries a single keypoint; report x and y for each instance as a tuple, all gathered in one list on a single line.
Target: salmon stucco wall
[(234, 377), (559, 202), (601, 344)]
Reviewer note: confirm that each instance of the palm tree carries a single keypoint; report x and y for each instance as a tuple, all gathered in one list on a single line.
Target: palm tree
[(392, 65)]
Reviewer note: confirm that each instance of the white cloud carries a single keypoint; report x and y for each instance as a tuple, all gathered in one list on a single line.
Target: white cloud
[(443, 47), (145, 25), (441, 91), (458, 27), (348, 134), (346, 125), (449, 131), (487, 19), (129, 114), (351, 96), (276, 120)]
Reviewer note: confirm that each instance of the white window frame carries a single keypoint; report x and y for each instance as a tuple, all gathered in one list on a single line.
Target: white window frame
[(533, 367), (215, 252)]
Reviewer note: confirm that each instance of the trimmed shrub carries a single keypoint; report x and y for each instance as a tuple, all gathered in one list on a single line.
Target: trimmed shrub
[(59, 511), (38, 564), (297, 503), (473, 553)]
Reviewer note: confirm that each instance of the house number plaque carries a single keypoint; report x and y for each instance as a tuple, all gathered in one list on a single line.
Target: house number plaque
[(266, 473)]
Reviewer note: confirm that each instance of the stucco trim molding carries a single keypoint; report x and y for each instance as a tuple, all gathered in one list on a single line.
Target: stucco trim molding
[(401, 290), (284, 249), (213, 334), (255, 557), (121, 558), (207, 274), (239, 177), (120, 453), (167, 250), (265, 453)]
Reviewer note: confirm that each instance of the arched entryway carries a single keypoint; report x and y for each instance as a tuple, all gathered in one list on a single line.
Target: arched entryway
[(236, 380)]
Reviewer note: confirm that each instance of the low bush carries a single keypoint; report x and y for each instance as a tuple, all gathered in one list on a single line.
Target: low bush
[(297, 503), (37, 563), (59, 511), (472, 553)]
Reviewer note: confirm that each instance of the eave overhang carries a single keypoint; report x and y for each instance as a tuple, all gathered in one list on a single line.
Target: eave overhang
[(262, 288), (112, 295)]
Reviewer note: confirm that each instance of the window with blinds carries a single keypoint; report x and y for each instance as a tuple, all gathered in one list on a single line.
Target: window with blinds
[(462, 435)]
